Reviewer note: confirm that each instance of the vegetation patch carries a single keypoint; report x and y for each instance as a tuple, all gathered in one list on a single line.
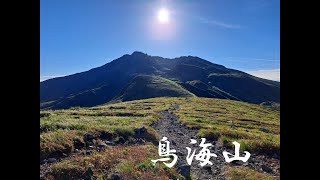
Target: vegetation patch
[(235, 173), (62, 131), (131, 162), (256, 127)]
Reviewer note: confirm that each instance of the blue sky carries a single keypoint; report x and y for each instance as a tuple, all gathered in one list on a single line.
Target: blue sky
[(77, 35)]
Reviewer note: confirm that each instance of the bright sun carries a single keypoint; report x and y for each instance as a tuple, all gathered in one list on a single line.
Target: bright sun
[(163, 15)]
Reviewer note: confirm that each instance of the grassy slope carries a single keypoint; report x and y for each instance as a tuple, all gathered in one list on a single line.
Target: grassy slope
[(58, 128), (215, 118), (203, 90), (133, 162), (236, 173), (255, 127), (143, 87), (246, 88)]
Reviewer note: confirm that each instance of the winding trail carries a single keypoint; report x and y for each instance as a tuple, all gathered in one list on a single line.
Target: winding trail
[(179, 137)]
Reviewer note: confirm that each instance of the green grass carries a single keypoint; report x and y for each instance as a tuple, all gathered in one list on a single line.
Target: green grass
[(235, 173), (55, 143), (255, 127), (59, 128), (132, 162), (143, 87)]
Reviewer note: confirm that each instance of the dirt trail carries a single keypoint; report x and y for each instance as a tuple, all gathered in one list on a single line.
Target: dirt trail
[(179, 137)]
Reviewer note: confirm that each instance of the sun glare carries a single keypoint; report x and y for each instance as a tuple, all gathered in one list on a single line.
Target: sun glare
[(163, 15)]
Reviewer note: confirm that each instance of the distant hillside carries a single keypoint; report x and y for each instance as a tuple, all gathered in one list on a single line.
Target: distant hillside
[(124, 78), (144, 87)]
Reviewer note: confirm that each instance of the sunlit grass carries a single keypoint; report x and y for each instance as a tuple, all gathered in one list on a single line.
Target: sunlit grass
[(60, 128), (132, 162), (255, 127), (235, 173)]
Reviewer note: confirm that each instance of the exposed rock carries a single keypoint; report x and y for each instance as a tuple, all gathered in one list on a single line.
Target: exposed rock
[(109, 143), (116, 176), (179, 153), (106, 135), (121, 140), (264, 130), (184, 170), (89, 152), (52, 160), (266, 169), (140, 141), (88, 137), (208, 168), (89, 143), (276, 156), (102, 145), (78, 144), (181, 134), (173, 143), (42, 177), (88, 174), (170, 127), (140, 132), (132, 140), (237, 163)]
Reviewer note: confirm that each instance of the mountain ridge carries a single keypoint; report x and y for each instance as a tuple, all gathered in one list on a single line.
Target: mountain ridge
[(102, 84)]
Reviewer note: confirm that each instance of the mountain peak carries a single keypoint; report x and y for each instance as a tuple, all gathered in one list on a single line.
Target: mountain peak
[(138, 53), (198, 76)]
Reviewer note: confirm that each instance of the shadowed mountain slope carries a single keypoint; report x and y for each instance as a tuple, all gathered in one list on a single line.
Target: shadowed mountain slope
[(127, 77)]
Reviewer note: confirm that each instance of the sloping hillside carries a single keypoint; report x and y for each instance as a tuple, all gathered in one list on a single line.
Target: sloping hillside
[(144, 87), (198, 76)]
